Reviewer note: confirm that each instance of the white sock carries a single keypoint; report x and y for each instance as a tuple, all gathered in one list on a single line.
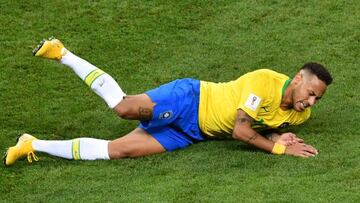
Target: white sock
[(99, 81), (78, 149)]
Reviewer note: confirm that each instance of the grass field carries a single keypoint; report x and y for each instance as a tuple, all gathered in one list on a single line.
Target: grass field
[(146, 43)]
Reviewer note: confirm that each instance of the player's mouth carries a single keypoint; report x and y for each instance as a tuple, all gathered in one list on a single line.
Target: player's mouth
[(302, 105)]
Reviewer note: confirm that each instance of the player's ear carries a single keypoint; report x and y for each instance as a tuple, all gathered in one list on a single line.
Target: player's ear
[(298, 77)]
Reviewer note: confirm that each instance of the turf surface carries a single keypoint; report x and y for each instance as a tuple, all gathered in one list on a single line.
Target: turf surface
[(146, 43)]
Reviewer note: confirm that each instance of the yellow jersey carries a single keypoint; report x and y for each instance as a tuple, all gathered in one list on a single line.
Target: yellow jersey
[(258, 93)]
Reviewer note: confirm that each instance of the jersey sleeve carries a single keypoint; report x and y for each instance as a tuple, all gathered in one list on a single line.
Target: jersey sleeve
[(254, 93)]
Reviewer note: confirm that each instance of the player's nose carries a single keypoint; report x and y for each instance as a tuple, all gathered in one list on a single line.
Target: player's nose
[(312, 101)]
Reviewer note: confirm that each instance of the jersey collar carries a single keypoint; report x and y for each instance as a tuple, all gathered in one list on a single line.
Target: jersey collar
[(286, 84)]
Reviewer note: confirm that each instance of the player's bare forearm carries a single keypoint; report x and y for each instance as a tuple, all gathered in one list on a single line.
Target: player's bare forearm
[(244, 132)]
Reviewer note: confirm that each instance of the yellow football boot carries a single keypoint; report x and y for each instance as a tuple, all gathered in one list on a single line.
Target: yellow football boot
[(50, 49), (22, 148)]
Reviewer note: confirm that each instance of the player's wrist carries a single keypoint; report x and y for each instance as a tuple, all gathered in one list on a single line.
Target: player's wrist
[(278, 149), (274, 137)]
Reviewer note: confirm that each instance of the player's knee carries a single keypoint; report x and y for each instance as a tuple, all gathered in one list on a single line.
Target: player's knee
[(124, 112), (123, 152), (119, 153), (121, 112)]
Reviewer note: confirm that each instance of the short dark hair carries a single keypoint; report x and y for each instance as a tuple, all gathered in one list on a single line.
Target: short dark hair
[(318, 70)]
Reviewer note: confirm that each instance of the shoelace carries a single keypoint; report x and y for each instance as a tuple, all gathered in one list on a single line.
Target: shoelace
[(31, 156)]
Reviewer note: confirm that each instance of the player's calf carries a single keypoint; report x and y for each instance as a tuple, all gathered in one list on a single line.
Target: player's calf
[(135, 144)]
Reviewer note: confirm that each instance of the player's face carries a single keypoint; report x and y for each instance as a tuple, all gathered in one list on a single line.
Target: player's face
[(307, 92)]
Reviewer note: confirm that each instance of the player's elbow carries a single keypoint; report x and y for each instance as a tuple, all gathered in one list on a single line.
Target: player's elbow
[(241, 135), (237, 136), (234, 135)]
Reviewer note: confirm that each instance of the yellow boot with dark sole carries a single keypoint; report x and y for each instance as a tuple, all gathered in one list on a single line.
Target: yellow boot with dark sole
[(50, 49), (22, 148)]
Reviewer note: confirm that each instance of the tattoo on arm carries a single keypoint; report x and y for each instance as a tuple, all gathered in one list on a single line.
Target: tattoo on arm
[(244, 119), (242, 129), (252, 137), (145, 114)]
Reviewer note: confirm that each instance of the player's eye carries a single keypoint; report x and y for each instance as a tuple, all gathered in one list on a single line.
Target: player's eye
[(312, 93)]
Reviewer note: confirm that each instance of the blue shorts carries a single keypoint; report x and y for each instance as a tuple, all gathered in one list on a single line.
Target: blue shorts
[(175, 122)]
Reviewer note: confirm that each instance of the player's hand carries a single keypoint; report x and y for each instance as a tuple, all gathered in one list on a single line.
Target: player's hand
[(301, 150), (288, 139)]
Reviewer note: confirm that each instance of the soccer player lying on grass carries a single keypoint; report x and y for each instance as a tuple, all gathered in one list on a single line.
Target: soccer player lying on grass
[(187, 111)]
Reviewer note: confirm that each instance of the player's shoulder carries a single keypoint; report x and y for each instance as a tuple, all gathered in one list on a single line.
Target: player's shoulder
[(264, 76), (269, 73)]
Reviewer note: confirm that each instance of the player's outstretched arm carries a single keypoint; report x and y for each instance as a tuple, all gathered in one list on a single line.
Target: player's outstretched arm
[(244, 132)]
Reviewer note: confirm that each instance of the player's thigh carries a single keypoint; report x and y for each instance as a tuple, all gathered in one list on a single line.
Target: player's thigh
[(135, 144), (138, 107)]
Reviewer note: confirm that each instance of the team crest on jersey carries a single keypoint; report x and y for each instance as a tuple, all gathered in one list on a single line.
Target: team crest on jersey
[(284, 125), (166, 115)]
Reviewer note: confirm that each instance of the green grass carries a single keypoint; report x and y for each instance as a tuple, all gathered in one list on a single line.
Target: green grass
[(146, 43)]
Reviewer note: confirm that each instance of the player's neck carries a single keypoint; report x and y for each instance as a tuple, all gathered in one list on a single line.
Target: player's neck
[(286, 101)]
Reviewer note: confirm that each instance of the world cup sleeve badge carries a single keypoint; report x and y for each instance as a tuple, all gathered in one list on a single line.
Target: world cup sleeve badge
[(252, 102)]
